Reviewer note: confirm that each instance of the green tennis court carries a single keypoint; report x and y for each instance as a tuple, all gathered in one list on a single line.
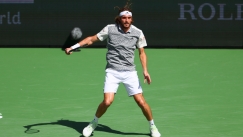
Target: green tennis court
[(194, 93)]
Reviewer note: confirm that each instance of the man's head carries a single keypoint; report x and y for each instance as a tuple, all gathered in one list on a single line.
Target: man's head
[(124, 17)]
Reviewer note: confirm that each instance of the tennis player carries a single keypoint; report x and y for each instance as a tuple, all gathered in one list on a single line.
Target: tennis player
[(122, 40)]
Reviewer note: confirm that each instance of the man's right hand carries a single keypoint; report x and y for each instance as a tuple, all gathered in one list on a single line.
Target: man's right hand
[(67, 51)]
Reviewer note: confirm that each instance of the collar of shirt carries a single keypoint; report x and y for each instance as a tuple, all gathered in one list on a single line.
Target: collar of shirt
[(129, 31)]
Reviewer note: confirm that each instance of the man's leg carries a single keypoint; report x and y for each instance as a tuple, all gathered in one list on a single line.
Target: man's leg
[(144, 106), (110, 88), (147, 113), (108, 99)]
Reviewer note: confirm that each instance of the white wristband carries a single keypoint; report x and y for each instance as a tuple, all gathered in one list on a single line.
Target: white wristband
[(75, 46)]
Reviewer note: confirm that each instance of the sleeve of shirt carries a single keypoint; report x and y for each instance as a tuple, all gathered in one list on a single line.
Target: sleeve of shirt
[(103, 34), (141, 41)]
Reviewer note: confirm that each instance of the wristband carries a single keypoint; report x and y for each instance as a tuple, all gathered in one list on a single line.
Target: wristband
[(75, 46)]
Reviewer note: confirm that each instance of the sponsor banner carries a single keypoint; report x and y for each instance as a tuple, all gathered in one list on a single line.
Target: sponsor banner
[(16, 1), (167, 23)]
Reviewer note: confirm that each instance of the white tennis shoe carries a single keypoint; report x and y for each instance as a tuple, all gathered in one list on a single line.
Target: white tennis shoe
[(90, 128), (154, 131)]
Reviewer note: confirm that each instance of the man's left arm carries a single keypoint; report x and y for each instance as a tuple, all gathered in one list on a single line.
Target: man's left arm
[(143, 60)]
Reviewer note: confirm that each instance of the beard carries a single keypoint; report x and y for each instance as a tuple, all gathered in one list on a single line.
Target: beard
[(126, 25)]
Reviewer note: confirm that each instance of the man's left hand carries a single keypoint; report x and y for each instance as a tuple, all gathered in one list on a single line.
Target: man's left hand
[(147, 78)]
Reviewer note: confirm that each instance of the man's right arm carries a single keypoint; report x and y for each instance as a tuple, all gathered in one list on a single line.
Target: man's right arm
[(83, 43), (88, 41), (102, 35)]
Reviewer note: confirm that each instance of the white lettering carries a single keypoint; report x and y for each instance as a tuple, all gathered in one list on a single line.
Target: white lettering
[(16, 18), (183, 11), (10, 19), (1, 18), (186, 8), (221, 13), (201, 8), (239, 12)]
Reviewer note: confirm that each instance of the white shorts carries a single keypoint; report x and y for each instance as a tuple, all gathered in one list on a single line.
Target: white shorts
[(129, 79)]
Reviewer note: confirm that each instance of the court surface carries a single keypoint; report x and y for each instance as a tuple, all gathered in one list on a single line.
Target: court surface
[(194, 93)]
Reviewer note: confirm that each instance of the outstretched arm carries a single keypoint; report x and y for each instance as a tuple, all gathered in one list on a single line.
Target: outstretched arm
[(83, 43), (143, 60)]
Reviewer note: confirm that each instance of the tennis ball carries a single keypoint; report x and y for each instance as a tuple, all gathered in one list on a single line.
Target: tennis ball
[(1, 116), (76, 33)]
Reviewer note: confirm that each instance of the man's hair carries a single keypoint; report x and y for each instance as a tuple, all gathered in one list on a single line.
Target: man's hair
[(127, 7)]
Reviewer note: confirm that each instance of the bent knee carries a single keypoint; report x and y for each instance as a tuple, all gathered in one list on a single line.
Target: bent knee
[(107, 103)]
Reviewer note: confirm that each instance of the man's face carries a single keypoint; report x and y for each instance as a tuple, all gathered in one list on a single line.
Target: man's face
[(126, 21)]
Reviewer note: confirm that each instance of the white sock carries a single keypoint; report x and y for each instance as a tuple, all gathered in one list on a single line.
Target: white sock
[(96, 119), (151, 123)]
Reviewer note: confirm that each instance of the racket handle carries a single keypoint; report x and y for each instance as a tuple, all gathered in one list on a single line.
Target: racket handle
[(75, 50)]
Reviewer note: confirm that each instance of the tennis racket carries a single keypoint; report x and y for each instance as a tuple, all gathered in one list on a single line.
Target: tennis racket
[(76, 34)]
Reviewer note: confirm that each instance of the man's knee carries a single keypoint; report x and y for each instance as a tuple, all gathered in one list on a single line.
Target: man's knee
[(107, 103), (141, 103), (140, 100)]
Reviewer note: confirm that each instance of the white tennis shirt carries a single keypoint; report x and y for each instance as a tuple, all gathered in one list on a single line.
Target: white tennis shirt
[(121, 46)]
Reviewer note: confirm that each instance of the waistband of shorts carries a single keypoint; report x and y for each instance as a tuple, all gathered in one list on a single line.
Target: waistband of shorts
[(110, 69)]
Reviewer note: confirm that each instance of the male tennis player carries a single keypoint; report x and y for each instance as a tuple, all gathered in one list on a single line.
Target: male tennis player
[(122, 40)]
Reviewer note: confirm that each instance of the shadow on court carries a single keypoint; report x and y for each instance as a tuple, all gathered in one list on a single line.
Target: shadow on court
[(79, 126)]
